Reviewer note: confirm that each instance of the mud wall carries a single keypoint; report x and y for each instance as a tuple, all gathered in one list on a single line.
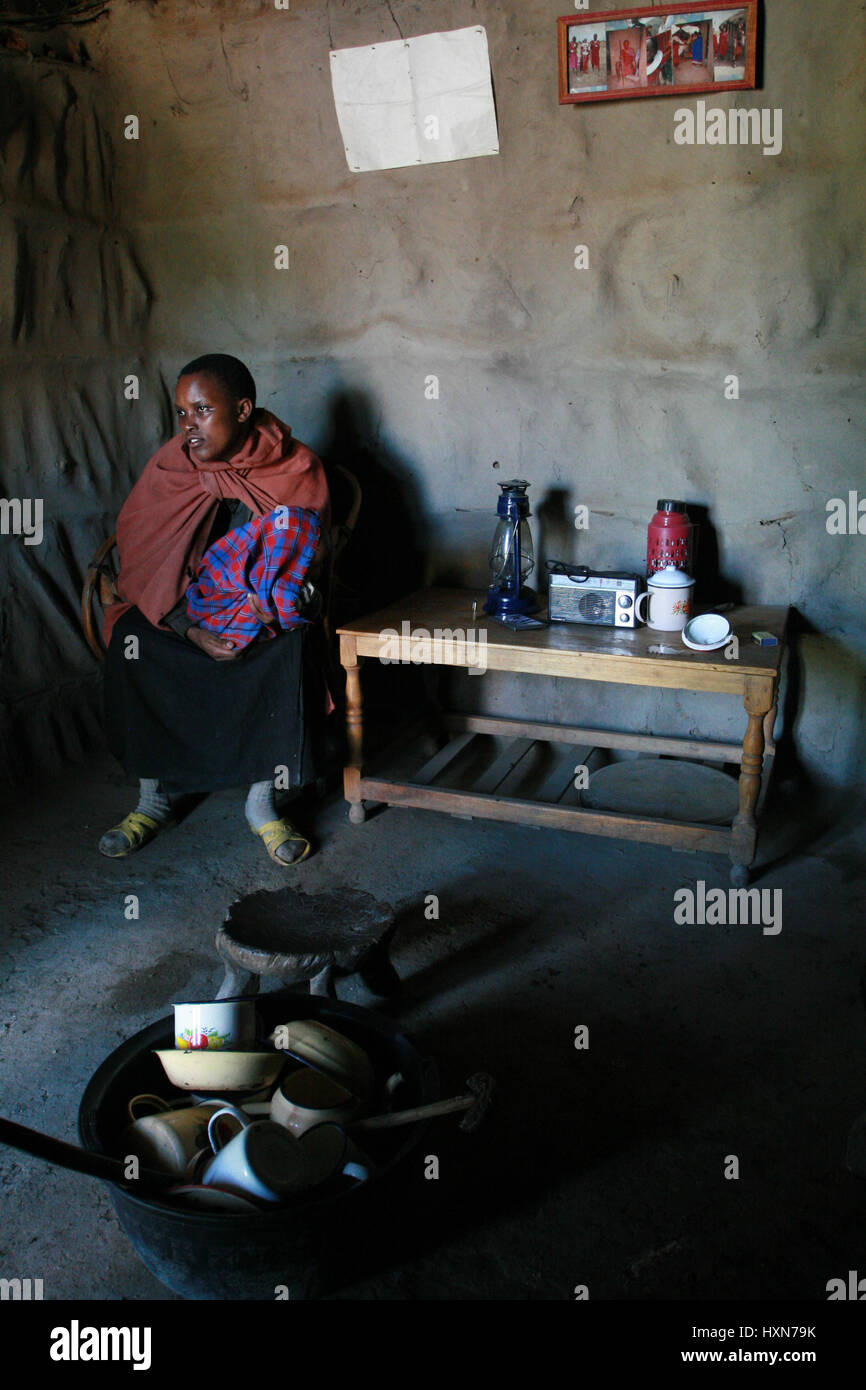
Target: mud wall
[(74, 309), (604, 386)]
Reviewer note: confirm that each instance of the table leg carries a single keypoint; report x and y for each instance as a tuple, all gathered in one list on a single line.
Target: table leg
[(758, 700), (436, 734), (770, 724), (354, 729)]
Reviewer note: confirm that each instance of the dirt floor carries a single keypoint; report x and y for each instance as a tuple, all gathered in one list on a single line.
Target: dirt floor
[(603, 1166), (688, 74)]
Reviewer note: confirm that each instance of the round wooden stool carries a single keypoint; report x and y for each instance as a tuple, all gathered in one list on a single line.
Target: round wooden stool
[(300, 936)]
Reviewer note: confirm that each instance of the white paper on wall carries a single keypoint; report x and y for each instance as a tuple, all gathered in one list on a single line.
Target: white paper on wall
[(415, 101)]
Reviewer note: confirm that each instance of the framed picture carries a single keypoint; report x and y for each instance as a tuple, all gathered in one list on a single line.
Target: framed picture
[(670, 51)]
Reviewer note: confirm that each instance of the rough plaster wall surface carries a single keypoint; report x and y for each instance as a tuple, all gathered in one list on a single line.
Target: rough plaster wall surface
[(602, 386)]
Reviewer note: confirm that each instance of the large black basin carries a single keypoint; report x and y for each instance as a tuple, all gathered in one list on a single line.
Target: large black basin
[(209, 1255)]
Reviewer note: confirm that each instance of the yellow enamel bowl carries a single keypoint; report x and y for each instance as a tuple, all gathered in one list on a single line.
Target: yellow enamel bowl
[(219, 1070)]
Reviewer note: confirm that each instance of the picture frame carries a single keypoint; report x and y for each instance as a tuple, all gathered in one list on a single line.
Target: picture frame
[(611, 55)]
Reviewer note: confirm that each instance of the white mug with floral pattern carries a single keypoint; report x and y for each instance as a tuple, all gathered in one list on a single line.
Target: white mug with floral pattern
[(668, 598)]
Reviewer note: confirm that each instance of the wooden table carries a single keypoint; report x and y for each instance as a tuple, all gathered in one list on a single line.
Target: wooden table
[(435, 627)]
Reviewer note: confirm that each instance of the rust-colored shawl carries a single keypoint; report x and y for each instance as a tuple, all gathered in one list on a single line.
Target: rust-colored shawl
[(164, 523)]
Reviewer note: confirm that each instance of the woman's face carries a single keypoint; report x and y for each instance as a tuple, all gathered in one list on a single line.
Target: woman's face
[(212, 424)]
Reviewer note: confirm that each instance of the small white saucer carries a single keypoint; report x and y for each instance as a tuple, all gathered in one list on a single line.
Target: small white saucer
[(707, 632)]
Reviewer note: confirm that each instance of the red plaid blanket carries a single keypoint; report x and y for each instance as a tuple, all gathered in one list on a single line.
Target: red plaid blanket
[(268, 557)]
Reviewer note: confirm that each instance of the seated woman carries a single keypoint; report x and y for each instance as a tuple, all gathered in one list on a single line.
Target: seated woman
[(188, 710)]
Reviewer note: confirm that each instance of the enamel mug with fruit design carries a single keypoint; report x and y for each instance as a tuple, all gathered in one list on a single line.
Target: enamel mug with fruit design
[(219, 1023)]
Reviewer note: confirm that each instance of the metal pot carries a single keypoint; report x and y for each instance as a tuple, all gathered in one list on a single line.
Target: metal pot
[(282, 1252)]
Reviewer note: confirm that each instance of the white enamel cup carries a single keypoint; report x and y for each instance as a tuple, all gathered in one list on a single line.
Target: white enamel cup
[(307, 1098), (328, 1150), (228, 1024), (169, 1140), (263, 1160), (668, 598)]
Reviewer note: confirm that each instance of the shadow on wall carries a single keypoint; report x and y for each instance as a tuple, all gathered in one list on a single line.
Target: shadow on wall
[(386, 556), (712, 586), (555, 530), (827, 811), (556, 538)]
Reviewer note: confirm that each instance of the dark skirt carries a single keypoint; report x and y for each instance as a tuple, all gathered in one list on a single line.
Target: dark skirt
[(195, 724)]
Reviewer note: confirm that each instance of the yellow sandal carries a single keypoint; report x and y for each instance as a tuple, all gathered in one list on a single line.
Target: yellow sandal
[(279, 832), (137, 830)]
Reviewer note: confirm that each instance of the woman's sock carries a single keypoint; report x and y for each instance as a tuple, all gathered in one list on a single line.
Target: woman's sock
[(261, 804), (261, 807), (152, 801)]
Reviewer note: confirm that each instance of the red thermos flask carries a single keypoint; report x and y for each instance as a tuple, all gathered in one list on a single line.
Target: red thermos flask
[(670, 538)]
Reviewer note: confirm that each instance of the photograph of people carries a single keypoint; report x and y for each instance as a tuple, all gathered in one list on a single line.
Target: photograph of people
[(692, 53), (626, 57), (656, 64), (659, 60), (587, 58), (729, 46)]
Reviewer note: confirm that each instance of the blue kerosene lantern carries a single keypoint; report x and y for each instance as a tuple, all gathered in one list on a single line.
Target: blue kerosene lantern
[(511, 555)]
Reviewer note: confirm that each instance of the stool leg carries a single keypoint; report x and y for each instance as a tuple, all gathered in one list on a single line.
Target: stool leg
[(378, 973), (323, 983), (237, 981)]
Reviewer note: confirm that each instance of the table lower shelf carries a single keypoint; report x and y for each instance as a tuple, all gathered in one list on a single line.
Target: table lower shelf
[(678, 834), (482, 800)]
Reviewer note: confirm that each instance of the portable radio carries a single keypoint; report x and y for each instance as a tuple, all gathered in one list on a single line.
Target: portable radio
[(605, 598)]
